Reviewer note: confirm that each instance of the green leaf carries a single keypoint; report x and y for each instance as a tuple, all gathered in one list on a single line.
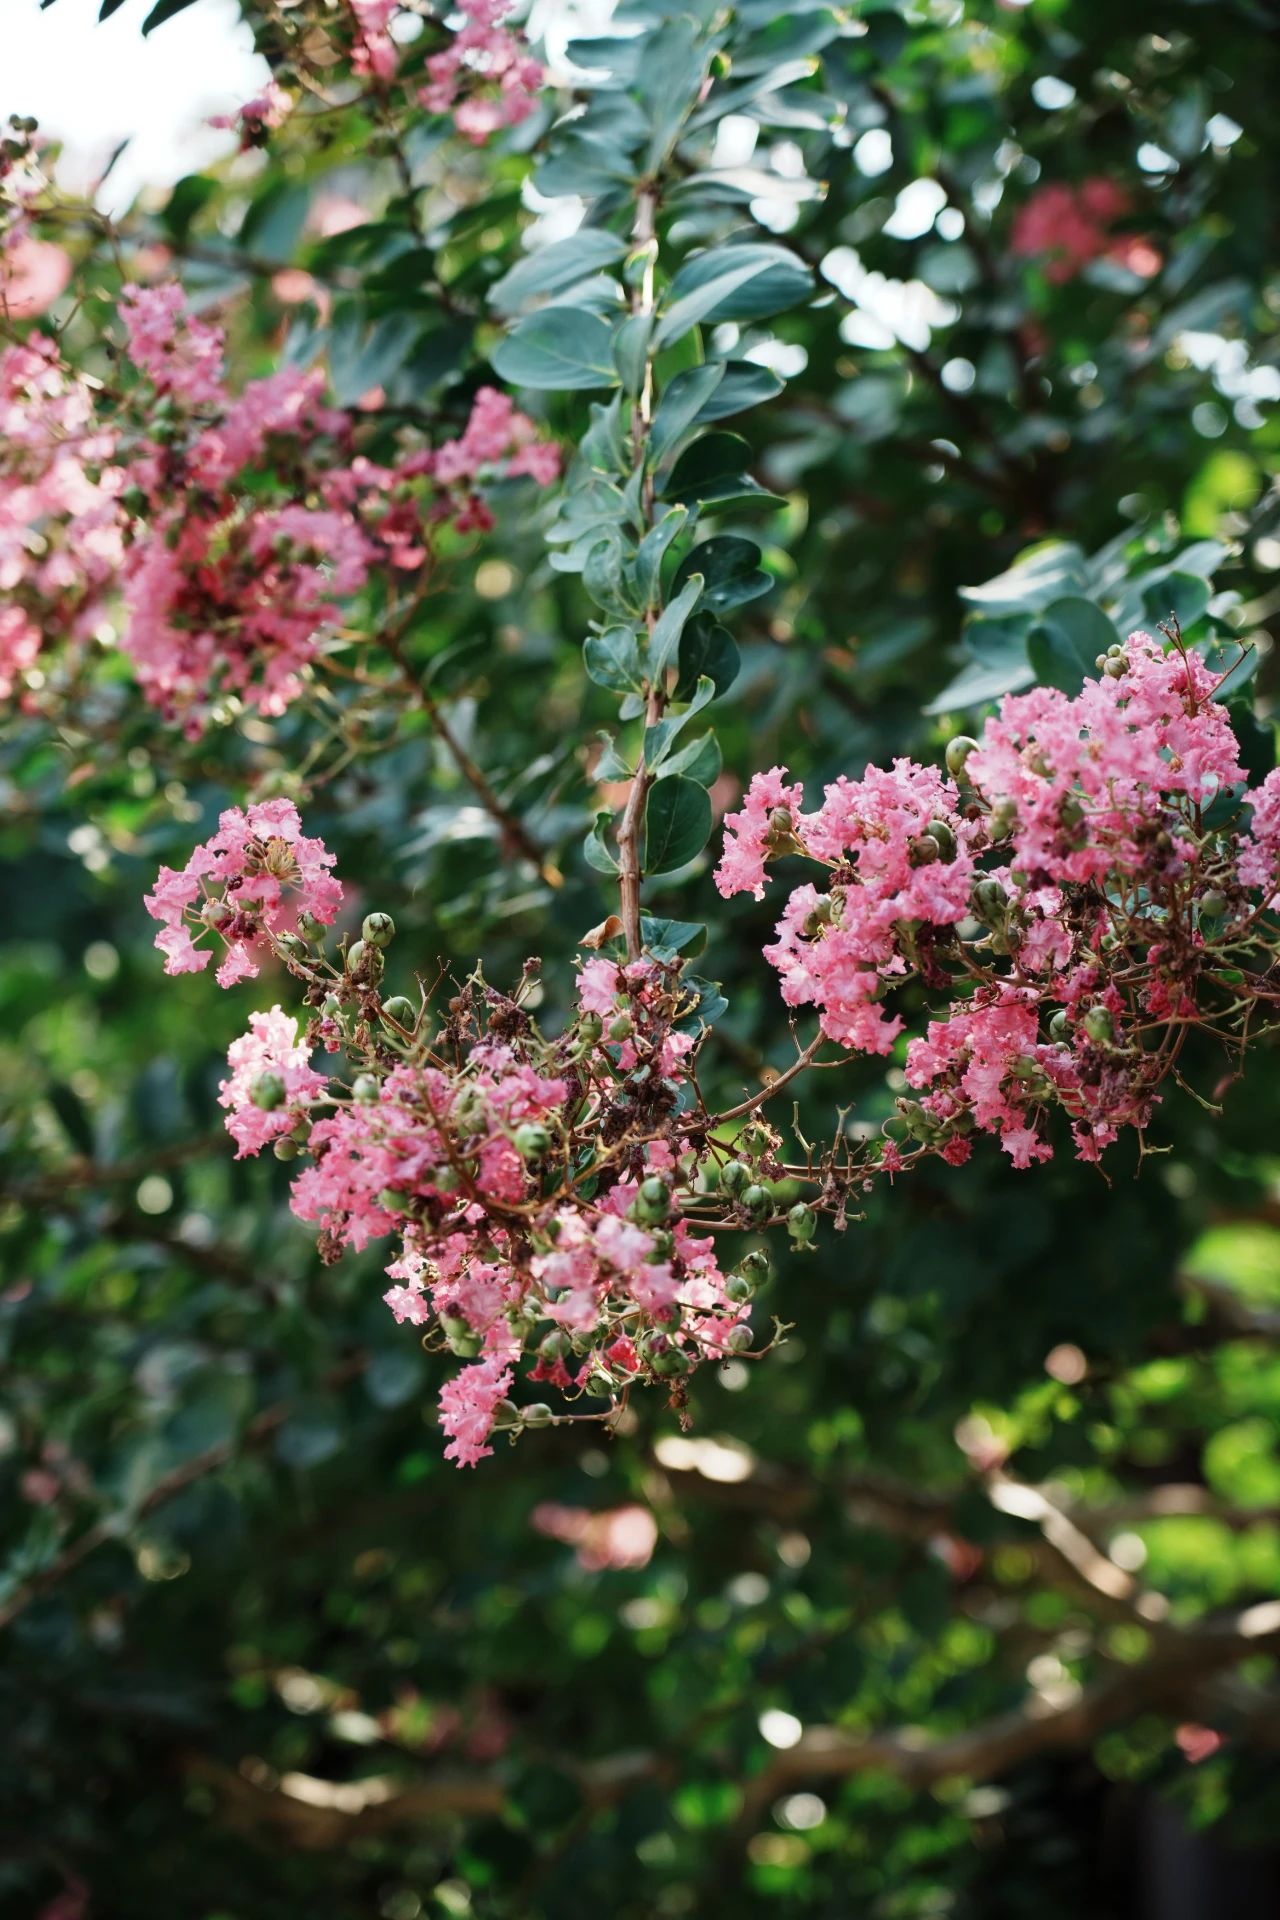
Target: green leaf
[(659, 738), (1184, 595), (997, 665), (558, 348), (669, 78), (556, 268), (610, 765), (707, 650), (744, 385), (631, 350), (612, 660), (712, 473), (311, 1435), (1064, 644), (677, 823), (164, 10), (596, 847), (733, 283), (685, 398), (730, 567), (701, 759), (668, 939), (667, 628), (647, 567), (1035, 578)]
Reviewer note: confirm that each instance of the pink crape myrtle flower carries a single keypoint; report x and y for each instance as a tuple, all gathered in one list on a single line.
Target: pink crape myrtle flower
[(469, 1405), (271, 1081), (1066, 227), (755, 832), (485, 77), (246, 883)]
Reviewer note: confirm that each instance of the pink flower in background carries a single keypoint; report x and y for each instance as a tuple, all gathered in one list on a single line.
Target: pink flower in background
[(271, 1079), (33, 273), (1066, 227), (618, 1539)]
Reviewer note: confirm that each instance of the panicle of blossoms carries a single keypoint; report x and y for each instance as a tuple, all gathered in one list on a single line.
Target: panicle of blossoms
[(544, 1196), (257, 118), (243, 887), (1059, 899), (1065, 227), (486, 77), (240, 526)]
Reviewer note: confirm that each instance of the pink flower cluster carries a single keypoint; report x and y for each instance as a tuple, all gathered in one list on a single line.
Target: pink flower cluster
[(241, 526), (486, 77), (535, 1187), (258, 117), (245, 885), (1061, 895), (1066, 227)]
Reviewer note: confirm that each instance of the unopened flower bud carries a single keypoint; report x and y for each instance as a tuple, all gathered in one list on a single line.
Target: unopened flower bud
[(781, 823), (365, 1088), (802, 1223), (653, 1192), (293, 946), (590, 1028), (454, 1326), (1060, 1025), (1115, 669), (621, 1027), (536, 1414), (355, 955), (555, 1346), (216, 913), (467, 1346), (1213, 901), (285, 1149), (401, 1010), (735, 1178), (309, 927), (925, 850), (268, 1092), (755, 1265), (392, 1200), (531, 1140), (1002, 819), (988, 900), (378, 929), (738, 1288), (738, 1339), (757, 1201), (940, 831), (958, 751), (1099, 1026), (505, 1414)]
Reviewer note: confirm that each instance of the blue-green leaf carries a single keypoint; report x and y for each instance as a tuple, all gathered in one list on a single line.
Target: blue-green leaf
[(558, 348), (677, 824)]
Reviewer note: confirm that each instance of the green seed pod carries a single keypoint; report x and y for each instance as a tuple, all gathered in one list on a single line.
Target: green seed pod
[(293, 946), (925, 851), (590, 1028), (757, 1201), (670, 1362), (506, 1414), (401, 1010), (755, 1265), (268, 1092), (521, 1326), (470, 1111), (309, 927), (940, 830), (391, 1200), (1002, 819), (1099, 1026), (355, 955), (536, 1414), (555, 1346), (285, 1149), (444, 1179), (599, 1386), (988, 900), (366, 1088), (738, 1339), (1060, 1025), (1214, 902), (378, 929), (802, 1223), (531, 1140), (621, 1027), (663, 1244), (738, 1288), (454, 1327), (467, 1346), (958, 751), (655, 1195), (735, 1178)]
